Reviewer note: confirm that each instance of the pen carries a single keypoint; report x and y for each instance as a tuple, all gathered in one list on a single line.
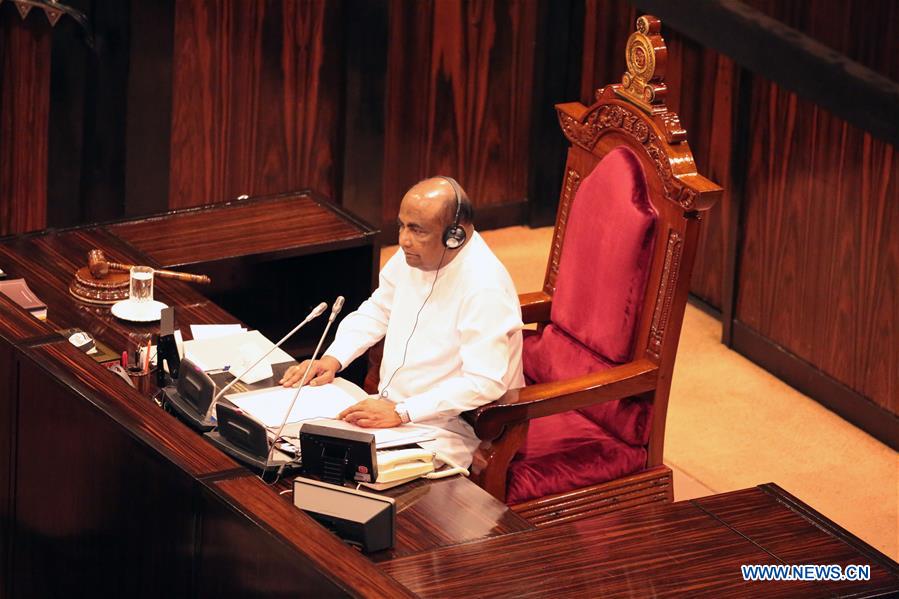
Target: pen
[(147, 358), (125, 359)]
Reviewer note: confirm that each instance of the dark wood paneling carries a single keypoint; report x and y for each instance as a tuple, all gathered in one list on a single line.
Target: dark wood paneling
[(607, 25), (149, 106), (866, 32), (277, 549), (9, 389), (704, 87), (819, 271), (130, 410), (861, 96), (459, 77), (557, 77), (364, 117), (88, 496), (24, 110), (255, 99)]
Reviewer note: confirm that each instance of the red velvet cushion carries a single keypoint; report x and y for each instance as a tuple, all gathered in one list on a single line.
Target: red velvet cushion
[(551, 355), (565, 452), (606, 257)]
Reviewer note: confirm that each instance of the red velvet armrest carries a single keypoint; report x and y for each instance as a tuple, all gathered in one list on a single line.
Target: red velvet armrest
[(535, 307), (545, 399)]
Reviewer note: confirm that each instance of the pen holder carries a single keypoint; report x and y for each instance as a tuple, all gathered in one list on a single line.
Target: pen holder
[(137, 358)]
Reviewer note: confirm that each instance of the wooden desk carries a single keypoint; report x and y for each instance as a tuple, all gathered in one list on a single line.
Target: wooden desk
[(271, 259), (683, 549), (101, 489)]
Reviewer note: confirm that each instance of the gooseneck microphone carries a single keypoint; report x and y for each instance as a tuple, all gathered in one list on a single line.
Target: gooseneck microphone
[(316, 312), (335, 310)]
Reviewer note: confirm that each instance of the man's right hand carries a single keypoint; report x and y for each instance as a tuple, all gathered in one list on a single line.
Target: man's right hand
[(322, 372)]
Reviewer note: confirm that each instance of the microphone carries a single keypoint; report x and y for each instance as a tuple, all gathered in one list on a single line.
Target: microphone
[(335, 310), (316, 312)]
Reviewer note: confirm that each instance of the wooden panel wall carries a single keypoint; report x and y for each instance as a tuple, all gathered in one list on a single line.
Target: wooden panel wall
[(255, 99), (458, 89), (24, 110), (819, 271), (865, 31)]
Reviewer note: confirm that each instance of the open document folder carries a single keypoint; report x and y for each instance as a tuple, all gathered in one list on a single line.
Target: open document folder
[(321, 405)]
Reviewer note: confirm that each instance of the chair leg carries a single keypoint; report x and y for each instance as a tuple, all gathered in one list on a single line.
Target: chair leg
[(490, 462)]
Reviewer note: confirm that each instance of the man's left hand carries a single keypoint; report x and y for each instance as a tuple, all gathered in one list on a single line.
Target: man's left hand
[(372, 413)]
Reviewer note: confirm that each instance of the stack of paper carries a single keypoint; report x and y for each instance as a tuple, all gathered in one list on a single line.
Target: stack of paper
[(320, 405), (220, 353), (214, 331)]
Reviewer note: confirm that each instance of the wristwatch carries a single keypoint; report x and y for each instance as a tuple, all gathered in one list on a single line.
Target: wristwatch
[(402, 412)]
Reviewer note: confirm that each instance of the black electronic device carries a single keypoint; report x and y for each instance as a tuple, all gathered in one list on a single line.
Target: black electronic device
[(454, 235), (166, 347), (336, 454), (191, 397), (246, 440), (361, 518)]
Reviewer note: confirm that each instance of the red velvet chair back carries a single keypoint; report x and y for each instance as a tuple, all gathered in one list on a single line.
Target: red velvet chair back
[(600, 289)]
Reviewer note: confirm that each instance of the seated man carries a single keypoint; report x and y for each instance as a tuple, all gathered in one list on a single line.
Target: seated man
[(451, 322)]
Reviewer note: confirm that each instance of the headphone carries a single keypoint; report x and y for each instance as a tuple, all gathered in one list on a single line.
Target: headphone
[(454, 235)]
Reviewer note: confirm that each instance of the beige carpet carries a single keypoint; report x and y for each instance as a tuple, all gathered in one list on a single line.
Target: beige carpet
[(731, 425)]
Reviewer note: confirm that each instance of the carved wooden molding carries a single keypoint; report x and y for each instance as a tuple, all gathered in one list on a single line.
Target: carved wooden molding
[(636, 107), (665, 296), (52, 9), (603, 118), (572, 182), (646, 56)]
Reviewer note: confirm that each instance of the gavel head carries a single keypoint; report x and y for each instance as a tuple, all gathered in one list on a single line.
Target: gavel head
[(97, 263)]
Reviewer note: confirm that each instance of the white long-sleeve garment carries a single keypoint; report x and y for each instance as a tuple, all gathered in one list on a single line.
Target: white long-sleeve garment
[(465, 350)]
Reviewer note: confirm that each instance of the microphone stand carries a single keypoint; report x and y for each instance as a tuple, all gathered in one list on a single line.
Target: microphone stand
[(315, 313), (335, 310)]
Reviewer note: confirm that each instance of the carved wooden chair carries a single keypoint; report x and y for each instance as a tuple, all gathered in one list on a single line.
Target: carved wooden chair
[(585, 436)]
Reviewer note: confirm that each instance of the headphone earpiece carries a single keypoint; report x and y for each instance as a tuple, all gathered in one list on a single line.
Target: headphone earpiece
[(454, 235)]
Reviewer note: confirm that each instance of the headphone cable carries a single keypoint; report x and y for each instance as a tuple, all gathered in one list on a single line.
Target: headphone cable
[(384, 394)]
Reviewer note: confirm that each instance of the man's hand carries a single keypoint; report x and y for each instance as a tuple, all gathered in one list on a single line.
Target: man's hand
[(322, 372), (372, 413)]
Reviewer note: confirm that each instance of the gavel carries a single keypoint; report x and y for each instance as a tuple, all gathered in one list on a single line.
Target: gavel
[(100, 267)]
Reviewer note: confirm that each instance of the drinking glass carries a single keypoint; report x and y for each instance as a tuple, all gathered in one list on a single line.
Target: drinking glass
[(141, 284)]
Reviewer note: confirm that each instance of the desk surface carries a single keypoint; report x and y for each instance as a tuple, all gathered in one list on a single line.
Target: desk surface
[(236, 535), (681, 549), (259, 226)]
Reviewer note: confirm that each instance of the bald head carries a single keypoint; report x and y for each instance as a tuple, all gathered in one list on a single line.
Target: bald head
[(440, 191), (427, 209)]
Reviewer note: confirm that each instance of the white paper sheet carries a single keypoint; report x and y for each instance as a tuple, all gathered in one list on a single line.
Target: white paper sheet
[(320, 405), (221, 352), (214, 331), (268, 406)]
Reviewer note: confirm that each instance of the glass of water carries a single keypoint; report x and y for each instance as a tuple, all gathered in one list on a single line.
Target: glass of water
[(141, 284)]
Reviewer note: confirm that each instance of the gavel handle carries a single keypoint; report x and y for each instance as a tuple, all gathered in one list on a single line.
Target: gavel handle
[(169, 274)]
